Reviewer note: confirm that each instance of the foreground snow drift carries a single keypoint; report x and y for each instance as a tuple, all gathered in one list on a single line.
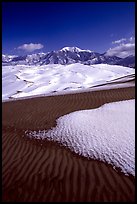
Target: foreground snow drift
[(106, 133), (22, 81)]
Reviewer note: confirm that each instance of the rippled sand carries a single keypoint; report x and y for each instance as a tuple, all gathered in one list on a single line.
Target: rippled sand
[(44, 171)]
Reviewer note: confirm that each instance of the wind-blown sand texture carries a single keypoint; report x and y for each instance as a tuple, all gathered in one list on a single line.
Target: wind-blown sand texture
[(43, 171)]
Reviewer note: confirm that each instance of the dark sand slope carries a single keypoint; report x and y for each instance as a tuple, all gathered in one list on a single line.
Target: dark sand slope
[(35, 171)]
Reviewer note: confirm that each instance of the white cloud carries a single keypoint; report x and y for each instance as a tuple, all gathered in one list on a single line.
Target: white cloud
[(119, 41), (30, 47), (125, 48)]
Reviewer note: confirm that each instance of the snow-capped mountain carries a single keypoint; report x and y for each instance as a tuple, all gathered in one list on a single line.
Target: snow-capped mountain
[(130, 61), (67, 55), (7, 58), (74, 49)]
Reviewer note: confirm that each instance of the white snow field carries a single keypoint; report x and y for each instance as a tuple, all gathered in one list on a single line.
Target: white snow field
[(106, 133), (23, 81)]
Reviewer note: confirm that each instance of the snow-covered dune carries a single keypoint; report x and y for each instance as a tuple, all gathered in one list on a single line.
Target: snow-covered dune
[(22, 81)]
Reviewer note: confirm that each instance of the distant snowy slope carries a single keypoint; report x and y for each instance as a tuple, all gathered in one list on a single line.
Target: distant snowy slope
[(21, 80)]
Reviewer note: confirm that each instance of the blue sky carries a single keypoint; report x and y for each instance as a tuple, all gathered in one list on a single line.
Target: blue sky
[(51, 26)]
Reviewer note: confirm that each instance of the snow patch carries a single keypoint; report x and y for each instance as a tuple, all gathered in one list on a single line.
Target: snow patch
[(106, 133)]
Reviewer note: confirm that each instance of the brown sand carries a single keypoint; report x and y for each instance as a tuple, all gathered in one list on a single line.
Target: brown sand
[(44, 171)]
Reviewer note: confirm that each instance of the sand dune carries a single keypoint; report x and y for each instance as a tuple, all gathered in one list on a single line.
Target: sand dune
[(44, 171)]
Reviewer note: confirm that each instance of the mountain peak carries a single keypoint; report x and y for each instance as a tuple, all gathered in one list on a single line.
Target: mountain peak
[(74, 49)]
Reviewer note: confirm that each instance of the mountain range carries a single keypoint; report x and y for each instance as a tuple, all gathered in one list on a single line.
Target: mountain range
[(68, 55)]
